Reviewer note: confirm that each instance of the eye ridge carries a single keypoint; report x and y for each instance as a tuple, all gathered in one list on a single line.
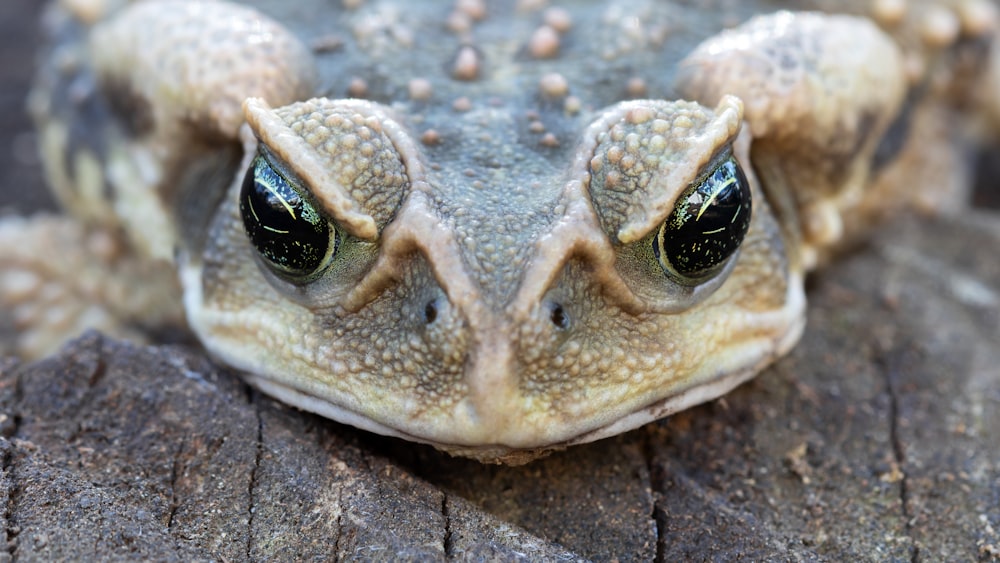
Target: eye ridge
[(292, 237), (707, 226)]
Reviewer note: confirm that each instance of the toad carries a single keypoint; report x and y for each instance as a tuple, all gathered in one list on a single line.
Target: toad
[(499, 229)]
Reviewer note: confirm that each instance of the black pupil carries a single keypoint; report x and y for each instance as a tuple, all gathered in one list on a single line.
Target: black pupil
[(284, 228), (708, 223)]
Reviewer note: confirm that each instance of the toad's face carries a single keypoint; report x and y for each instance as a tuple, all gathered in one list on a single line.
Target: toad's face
[(490, 310)]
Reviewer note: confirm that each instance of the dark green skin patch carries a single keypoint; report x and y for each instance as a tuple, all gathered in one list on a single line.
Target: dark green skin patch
[(285, 228), (707, 225)]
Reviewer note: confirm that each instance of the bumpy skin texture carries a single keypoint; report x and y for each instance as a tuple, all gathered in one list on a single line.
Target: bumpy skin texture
[(497, 289), (826, 109)]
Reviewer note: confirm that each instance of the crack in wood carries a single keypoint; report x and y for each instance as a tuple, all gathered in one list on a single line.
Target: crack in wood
[(175, 472), (10, 530), (10, 427), (655, 483), (91, 341), (890, 361), (448, 541), (339, 523), (251, 506)]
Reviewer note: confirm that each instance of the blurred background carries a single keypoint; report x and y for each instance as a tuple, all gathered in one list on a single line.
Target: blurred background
[(21, 187)]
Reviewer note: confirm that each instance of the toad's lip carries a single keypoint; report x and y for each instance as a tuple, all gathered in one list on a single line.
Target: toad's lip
[(528, 451)]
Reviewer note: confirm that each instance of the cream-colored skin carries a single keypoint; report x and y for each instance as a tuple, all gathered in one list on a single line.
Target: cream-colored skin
[(489, 297)]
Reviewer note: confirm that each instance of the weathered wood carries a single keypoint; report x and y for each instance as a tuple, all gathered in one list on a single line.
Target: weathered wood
[(154, 453)]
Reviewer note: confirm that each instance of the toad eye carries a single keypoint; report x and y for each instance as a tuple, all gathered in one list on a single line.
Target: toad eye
[(707, 225), (295, 240)]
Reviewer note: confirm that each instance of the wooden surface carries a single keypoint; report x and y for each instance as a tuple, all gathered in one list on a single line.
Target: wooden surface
[(878, 438)]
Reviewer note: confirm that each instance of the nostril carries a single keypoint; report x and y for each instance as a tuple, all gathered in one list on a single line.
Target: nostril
[(430, 311), (558, 316)]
